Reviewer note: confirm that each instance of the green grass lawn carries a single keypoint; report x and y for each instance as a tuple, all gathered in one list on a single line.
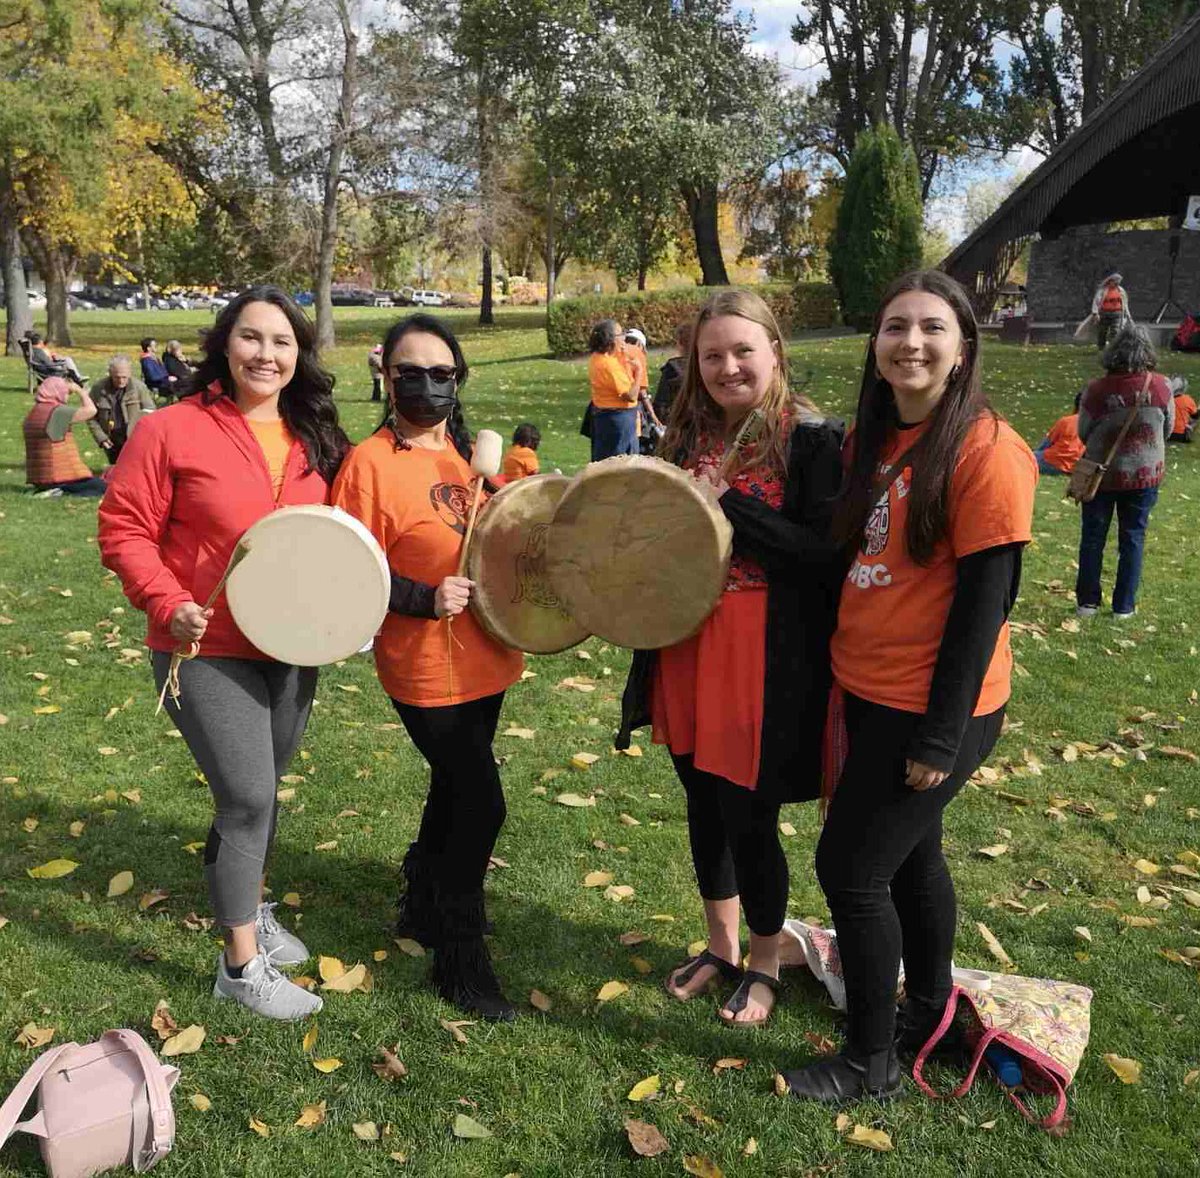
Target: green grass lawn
[(102, 781)]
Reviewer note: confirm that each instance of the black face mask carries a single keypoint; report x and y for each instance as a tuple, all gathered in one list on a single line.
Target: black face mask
[(422, 400)]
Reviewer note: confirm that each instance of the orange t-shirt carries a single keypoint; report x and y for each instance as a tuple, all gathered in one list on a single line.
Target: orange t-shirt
[(519, 462), (276, 444), (1065, 448), (612, 385), (635, 361), (1184, 408), (416, 504), (893, 611)]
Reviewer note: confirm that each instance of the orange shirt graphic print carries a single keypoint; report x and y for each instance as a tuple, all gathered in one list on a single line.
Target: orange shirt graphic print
[(451, 502)]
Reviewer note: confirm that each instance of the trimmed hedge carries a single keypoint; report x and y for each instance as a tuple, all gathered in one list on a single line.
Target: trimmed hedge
[(569, 321)]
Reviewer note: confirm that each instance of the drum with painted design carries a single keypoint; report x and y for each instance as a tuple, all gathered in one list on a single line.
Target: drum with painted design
[(513, 599)]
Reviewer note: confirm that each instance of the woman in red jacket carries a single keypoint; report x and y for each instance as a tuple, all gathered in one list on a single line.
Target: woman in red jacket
[(262, 434)]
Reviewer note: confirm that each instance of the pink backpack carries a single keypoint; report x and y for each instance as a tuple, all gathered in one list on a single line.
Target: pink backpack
[(105, 1104)]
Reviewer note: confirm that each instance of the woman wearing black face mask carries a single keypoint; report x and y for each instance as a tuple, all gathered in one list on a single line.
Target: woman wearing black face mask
[(410, 484)]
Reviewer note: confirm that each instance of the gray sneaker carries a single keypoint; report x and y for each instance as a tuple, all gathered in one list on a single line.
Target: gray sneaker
[(264, 990), (282, 947)]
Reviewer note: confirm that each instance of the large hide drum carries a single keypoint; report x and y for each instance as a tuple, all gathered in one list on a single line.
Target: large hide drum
[(313, 587), (512, 599), (639, 551)]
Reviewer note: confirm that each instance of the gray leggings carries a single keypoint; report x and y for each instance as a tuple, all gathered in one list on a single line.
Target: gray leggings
[(242, 720)]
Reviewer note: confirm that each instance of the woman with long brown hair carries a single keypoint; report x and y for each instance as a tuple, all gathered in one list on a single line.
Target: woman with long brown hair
[(936, 508), (741, 704)]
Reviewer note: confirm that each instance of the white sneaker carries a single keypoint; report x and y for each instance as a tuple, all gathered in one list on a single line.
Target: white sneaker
[(282, 947), (49, 493), (1121, 617), (264, 990), (1086, 611)]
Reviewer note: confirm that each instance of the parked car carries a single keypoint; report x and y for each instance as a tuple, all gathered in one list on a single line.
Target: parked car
[(403, 297), (103, 296), (352, 296), (428, 298), (304, 298), (76, 303)]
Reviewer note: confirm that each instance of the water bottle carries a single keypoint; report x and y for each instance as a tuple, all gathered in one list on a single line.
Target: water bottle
[(1005, 1063)]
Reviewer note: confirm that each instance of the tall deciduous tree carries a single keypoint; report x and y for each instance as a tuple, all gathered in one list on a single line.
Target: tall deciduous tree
[(878, 233), (926, 67)]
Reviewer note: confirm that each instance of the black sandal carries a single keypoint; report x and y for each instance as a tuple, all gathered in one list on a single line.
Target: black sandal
[(683, 974), (741, 996)]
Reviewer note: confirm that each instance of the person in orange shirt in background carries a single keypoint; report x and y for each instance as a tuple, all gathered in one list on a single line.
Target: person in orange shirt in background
[(1186, 410), (1061, 448), (521, 459), (410, 483), (613, 421), (935, 510)]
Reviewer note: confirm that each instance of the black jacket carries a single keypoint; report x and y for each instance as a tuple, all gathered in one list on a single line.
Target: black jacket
[(804, 574)]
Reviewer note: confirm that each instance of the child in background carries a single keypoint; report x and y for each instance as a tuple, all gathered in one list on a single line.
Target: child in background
[(1061, 448), (521, 459), (1185, 410)]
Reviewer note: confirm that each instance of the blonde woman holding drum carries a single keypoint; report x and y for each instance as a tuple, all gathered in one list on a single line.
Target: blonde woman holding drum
[(741, 705), (262, 433)]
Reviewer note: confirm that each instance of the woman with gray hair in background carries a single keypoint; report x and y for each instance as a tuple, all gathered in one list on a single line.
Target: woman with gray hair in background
[(1131, 482)]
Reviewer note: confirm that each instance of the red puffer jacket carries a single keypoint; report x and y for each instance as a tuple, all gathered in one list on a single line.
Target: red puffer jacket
[(191, 479)]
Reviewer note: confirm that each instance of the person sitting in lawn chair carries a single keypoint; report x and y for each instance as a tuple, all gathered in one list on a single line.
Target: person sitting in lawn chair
[(1061, 448), (45, 362), (154, 372), (1186, 411)]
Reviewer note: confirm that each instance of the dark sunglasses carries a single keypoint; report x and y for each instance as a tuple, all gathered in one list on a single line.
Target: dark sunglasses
[(439, 375)]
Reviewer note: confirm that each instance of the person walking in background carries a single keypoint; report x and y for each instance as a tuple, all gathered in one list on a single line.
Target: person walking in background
[(1061, 448), (1130, 485), (1110, 306), (121, 402), (52, 461), (521, 460), (1185, 410), (614, 394)]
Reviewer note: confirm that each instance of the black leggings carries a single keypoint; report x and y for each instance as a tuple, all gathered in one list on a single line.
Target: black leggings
[(735, 846), (465, 807), (880, 864)]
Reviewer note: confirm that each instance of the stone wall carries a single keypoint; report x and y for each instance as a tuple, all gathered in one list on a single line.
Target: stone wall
[(1064, 273)]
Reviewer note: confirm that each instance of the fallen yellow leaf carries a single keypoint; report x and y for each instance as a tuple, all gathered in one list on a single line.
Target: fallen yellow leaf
[(701, 1167), (575, 801), (597, 879), (540, 1001), (994, 946), (330, 968), (644, 1088), (120, 883), (291, 899), (259, 1128), (875, 1139), (469, 1128), (31, 1036), (151, 898), (583, 760), (365, 1130), (1128, 1071), (353, 979), (310, 1038), (311, 1115), (200, 1102), (411, 947), (187, 1042), (1146, 867), (55, 869), (788, 831), (325, 1066), (611, 990)]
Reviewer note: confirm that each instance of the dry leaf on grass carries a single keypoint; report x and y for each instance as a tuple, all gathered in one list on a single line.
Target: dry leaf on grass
[(701, 1167), (411, 947), (843, 1122), (628, 820), (597, 879), (366, 1130), (162, 1022), (821, 1044), (645, 1089), (632, 938), (1146, 867), (1083, 933), (390, 1068), (325, 1066), (455, 1026), (310, 1038), (31, 1036), (55, 869), (750, 1148), (779, 1084), (611, 990), (875, 1139), (618, 892), (200, 1102), (520, 733), (259, 1127), (311, 1115), (149, 899), (574, 801), (291, 899), (787, 830), (120, 883), (645, 1140), (583, 760), (994, 946), (540, 1001), (469, 1129), (729, 1064), (356, 978), (187, 1042), (994, 852), (1128, 1071)]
